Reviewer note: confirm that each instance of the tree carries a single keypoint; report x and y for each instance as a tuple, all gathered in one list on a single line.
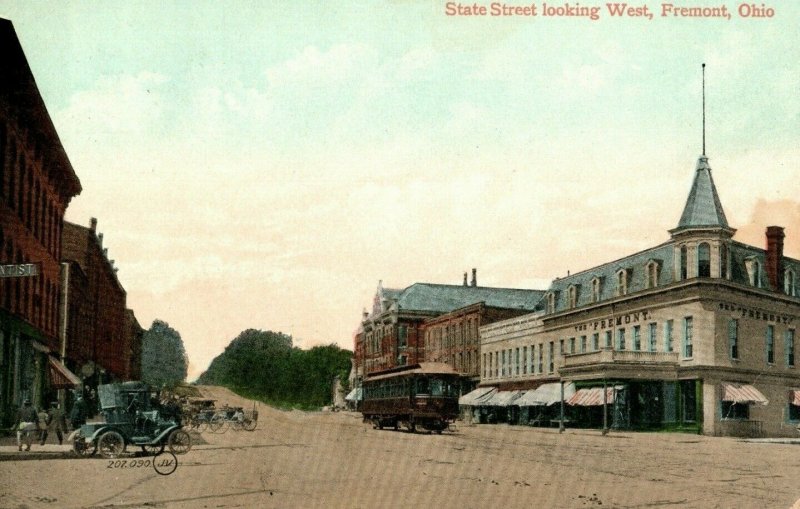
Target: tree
[(164, 360)]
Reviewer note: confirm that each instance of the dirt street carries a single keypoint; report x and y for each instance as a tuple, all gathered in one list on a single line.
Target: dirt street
[(299, 459)]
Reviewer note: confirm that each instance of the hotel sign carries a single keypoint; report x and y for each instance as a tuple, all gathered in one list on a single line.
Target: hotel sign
[(614, 320), (19, 270)]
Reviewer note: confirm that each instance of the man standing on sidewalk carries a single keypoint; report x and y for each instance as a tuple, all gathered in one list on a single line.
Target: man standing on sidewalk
[(26, 424), (58, 423)]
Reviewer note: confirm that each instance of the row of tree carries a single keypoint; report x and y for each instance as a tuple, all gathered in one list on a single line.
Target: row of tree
[(265, 365)]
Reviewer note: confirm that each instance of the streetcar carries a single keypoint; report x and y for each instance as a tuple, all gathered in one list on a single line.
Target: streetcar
[(423, 395)]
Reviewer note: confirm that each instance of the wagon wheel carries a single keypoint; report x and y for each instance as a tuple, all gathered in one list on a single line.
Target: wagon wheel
[(250, 424), (153, 449), (111, 444), (200, 426), (179, 442), (82, 447), (217, 424), (237, 425)]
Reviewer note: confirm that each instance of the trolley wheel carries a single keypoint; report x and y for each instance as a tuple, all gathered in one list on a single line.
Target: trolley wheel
[(153, 449), (179, 442), (250, 424), (82, 447), (111, 444)]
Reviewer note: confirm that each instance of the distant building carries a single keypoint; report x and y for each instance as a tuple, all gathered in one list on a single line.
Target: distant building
[(37, 182), (393, 334), (101, 332), (697, 333)]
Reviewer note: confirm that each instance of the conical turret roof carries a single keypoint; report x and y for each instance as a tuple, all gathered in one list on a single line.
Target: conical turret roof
[(703, 208)]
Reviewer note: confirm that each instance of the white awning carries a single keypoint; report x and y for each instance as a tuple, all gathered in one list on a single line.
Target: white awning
[(475, 397), (355, 395), (546, 394), (503, 398), (742, 393)]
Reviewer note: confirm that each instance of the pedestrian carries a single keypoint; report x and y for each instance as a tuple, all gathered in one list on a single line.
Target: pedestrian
[(58, 423), (41, 424), (77, 416), (25, 425)]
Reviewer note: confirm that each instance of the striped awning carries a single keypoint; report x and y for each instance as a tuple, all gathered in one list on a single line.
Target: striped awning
[(546, 394), (742, 393), (794, 397), (477, 396), (61, 377), (593, 396), (503, 398)]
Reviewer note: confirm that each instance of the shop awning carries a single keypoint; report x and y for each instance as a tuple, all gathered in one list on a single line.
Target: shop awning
[(503, 398), (356, 394), (794, 398), (61, 377), (593, 396), (546, 394), (742, 393), (475, 397)]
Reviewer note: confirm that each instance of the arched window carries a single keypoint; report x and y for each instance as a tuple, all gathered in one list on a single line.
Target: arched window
[(551, 302), (596, 289), (789, 283), (683, 255), (753, 271), (622, 282), (703, 260), (573, 296), (651, 269)]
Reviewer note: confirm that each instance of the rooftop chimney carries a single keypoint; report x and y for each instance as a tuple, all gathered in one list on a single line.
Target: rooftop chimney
[(774, 257), (465, 279), (93, 224), (364, 314), (474, 277), (100, 239), (105, 252)]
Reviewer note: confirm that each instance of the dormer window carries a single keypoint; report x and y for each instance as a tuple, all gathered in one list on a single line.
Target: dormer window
[(652, 269), (789, 283), (622, 282), (573, 296), (596, 289), (551, 302), (753, 271)]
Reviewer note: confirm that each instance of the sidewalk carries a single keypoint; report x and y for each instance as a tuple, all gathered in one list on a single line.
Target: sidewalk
[(9, 452)]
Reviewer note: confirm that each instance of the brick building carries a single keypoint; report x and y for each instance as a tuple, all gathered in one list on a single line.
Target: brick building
[(696, 333), (394, 332), (37, 182), (101, 332)]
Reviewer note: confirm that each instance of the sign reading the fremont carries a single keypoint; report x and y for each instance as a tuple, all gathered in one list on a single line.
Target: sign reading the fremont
[(19, 270)]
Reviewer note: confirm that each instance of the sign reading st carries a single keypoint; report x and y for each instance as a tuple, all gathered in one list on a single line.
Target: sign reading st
[(19, 270)]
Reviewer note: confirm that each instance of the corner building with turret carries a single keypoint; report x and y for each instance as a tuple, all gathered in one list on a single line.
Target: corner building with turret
[(696, 334)]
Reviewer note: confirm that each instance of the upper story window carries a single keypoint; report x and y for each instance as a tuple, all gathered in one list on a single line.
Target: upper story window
[(684, 253), (596, 289), (703, 260), (753, 270), (622, 282), (573, 296), (723, 261), (789, 283), (551, 302), (652, 270)]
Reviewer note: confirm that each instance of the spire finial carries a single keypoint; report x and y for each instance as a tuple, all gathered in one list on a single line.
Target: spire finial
[(704, 109)]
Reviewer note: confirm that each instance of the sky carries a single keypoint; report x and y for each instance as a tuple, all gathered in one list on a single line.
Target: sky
[(265, 164)]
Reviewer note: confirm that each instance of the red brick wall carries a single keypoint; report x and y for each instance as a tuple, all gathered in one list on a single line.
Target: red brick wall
[(97, 328), (32, 205)]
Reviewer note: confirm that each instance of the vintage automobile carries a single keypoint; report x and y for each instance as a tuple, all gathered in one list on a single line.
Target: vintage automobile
[(132, 415)]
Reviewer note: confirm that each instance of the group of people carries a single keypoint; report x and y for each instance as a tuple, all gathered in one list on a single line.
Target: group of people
[(31, 423)]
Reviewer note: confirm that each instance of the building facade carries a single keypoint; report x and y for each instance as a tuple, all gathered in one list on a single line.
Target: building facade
[(101, 332), (394, 332), (697, 333), (37, 182)]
